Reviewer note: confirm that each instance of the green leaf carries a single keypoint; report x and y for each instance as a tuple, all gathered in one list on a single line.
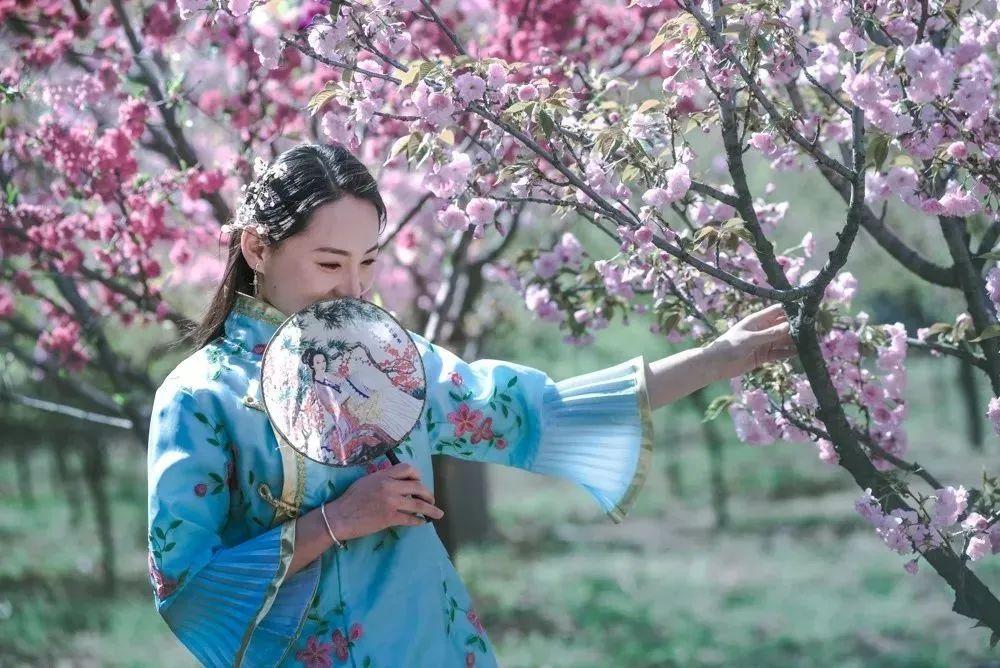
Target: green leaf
[(877, 150), (649, 105), (512, 382), (411, 74), (397, 147), (707, 232), (876, 55), (159, 533), (168, 547), (175, 524), (718, 405), (201, 418), (990, 332), (545, 121), (518, 107), (938, 328), (319, 100)]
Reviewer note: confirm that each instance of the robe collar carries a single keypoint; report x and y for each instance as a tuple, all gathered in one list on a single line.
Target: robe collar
[(251, 323)]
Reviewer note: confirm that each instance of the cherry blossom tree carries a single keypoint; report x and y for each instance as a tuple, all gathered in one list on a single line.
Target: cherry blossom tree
[(487, 118)]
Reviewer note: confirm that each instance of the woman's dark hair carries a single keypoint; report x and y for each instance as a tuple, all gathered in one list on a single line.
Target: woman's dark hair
[(298, 181), (309, 353)]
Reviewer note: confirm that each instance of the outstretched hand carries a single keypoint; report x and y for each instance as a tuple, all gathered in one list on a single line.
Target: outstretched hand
[(761, 337)]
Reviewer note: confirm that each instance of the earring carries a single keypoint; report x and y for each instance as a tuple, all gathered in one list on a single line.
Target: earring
[(256, 287)]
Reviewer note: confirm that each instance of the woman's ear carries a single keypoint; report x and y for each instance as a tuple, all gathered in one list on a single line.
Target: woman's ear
[(252, 247)]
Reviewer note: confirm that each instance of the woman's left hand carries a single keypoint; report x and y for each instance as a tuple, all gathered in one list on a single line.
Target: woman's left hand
[(761, 337)]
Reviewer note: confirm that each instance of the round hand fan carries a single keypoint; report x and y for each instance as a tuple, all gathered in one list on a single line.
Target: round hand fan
[(342, 382)]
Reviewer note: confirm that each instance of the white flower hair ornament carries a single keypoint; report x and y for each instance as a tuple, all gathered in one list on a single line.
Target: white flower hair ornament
[(257, 196)]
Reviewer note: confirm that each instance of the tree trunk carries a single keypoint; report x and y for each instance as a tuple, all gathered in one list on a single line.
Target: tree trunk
[(970, 398), (717, 479), (462, 495), (96, 465), (22, 463)]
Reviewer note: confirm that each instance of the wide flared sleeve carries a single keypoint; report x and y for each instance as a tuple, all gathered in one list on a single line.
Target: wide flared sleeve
[(225, 603), (594, 429)]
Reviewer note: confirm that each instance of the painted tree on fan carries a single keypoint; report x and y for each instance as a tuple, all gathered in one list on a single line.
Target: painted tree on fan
[(485, 115)]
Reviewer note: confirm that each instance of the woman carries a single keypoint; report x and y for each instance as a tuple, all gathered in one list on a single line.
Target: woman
[(253, 571), (353, 431)]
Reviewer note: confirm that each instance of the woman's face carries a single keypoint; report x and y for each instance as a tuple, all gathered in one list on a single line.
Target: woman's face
[(319, 364), (334, 256)]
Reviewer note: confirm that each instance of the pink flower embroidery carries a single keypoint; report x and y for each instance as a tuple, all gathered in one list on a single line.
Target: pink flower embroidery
[(501, 443), (483, 432), (259, 348), (340, 645), (231, 481), (464, 419), (316, 654), (456, 379), (470, 659), (355, 632), (474, 620), (373, 467), (200, 489), (163, 585)]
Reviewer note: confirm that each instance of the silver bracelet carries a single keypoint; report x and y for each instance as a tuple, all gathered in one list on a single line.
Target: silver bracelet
[(336, 542)]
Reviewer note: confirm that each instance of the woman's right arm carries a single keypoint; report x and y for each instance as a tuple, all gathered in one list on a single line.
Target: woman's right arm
[(388, 497), (214, 597)]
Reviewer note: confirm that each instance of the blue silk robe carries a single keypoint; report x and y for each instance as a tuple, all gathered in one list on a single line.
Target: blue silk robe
[(223, 497)]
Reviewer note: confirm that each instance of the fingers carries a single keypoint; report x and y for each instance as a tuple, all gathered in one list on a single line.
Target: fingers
[(414, 505), (415, 489), (775, 313), (403, 472), (405, 519), (777, 353), (779, 334)]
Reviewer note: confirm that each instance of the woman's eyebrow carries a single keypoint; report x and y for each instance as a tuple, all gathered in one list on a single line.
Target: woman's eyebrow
[(338, 251)]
